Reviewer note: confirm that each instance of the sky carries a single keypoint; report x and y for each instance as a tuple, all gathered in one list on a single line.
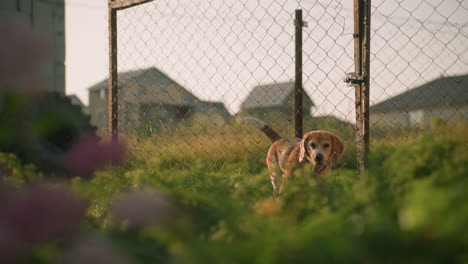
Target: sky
[(86, 45), (220, 49)]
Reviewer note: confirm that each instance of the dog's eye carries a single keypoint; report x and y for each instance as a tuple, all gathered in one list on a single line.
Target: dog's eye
[(313, 145), (326, 145)]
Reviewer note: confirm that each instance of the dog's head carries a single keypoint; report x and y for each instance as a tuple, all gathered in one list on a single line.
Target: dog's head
[(320, 148)]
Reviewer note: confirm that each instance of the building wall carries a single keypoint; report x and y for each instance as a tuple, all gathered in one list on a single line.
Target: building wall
[(270, 114), (451, 114), (159, 118), (284, 112), (139, 117), (98, 108), (391, 119), (98, 111), (47, 16)]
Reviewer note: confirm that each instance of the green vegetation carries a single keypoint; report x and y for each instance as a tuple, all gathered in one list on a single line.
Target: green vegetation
[(412, 206)]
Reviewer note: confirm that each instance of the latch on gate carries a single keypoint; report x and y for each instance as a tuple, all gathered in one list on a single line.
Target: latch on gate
[(353, 79)]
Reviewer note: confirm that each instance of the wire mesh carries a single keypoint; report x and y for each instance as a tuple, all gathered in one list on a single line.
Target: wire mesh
[(419, 65), (189, 69)]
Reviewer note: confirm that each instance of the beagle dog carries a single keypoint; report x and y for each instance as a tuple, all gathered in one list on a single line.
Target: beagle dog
[(320, 148)]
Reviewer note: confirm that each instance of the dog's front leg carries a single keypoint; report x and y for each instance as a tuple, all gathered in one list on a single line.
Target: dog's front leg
[(277, 180)]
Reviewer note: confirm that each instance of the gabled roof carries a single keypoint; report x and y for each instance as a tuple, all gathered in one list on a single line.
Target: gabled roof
[(217, 107), (76, 101), (157, 88), (143, 76), (150, 86), (274, 94), (452, 90)]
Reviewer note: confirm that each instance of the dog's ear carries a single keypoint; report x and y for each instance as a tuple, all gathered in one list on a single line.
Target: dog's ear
[(302, 150), (303, 147), (338, 148)]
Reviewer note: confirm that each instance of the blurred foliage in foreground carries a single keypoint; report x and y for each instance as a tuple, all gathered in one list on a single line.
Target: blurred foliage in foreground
[(412, 207)]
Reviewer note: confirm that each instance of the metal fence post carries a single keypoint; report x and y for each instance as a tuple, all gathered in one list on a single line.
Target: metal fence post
[(298, 108), (112, 84), (365, 86), (112, 95), (360, 79)]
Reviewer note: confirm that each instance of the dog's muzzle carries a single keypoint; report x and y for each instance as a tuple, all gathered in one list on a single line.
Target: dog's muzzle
[(319, 167)]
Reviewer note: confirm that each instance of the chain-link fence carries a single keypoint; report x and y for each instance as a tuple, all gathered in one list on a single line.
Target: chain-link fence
[(187, 70), (419, 65)]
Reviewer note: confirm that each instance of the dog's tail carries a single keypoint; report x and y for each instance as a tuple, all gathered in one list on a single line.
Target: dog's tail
[(266, 129)]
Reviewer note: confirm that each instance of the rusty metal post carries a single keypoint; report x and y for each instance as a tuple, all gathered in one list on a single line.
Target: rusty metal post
[(112, 83), (360, 79), (365, 86), (357, 88), (112, 94), (298, 108)]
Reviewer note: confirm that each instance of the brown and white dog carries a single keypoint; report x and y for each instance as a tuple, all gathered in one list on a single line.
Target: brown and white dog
[(319, 148)]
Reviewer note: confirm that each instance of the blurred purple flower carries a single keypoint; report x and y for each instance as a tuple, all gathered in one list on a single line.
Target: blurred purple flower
[(11, 246), (22, 50), (88, 154), (44, 213), (141, 209)]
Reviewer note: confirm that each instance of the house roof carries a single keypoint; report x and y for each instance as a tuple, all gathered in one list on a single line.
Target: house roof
[(75, 100), (150, 86), (205, 106), (274, 94), (452, 90), (143, 76)]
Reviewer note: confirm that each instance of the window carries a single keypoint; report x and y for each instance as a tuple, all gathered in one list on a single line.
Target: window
[(103, 94), (416, 117)]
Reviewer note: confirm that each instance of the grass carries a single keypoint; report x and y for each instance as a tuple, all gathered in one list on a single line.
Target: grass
[(410, 208)]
